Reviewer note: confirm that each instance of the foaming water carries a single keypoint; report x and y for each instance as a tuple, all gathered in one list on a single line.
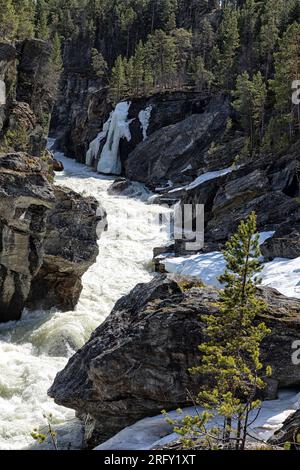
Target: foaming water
[(33, 350)]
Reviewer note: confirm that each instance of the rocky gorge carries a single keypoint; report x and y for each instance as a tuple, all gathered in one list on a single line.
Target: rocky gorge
[(101, 309)]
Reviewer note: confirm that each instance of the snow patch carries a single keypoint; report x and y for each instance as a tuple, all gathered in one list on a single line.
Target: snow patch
[(284, 275), (144, 118), (210, 175), (187, 168), (152, 432), (281, 274)]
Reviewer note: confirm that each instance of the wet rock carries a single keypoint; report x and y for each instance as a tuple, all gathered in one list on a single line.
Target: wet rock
[(136, 363), (57, 165), (30, 90), (124, 187)]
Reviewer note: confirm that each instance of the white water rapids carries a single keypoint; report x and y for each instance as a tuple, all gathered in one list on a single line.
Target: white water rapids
[(33, 350)]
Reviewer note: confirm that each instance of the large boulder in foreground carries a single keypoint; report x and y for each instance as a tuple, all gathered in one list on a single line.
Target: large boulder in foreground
[(136, 363), (26, 197), (70, 247)]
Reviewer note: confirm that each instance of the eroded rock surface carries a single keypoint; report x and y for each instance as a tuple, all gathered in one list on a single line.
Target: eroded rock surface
[(26, 197), (70, 247)]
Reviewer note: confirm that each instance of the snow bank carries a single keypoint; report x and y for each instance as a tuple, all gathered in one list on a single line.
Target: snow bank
[(210, 175), (144, 118), (208, 266), (283, 275), (152, 432)]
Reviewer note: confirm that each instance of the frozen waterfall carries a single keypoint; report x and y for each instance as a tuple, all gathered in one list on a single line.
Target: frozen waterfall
[(94, 147), (116, 128)]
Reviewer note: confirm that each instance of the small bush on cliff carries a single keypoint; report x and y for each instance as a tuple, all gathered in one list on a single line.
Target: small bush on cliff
[(17, 139), (230, 366)]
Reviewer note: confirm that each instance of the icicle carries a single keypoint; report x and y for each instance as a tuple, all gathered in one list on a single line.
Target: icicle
[(144, 117), (109, 162)]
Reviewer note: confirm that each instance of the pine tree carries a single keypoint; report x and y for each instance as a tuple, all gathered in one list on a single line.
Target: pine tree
[(138, 68), (8, 20), (231, 369), (229, 43), (287, 70), (99, 64), (183, 44), (201, 77), (161, 51), (41, 20), (250, 98), (56, 58), (248, 18), (204, 41), (25, 10), (117, 84), (269, 33)]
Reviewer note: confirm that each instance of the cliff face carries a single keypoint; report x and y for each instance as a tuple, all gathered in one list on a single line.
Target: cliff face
[(26, 71), (70, 248), (47, 235), (26, 196), (81, 107)]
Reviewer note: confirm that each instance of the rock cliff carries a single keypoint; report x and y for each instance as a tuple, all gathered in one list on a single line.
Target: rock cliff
[(70, 248), (48, 235), (48, 238), (26, 196)]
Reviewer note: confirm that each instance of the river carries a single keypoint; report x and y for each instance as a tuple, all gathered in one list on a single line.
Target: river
[(34, 349)]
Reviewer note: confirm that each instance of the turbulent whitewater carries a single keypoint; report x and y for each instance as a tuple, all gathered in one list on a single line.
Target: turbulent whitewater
[(33, 350)]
